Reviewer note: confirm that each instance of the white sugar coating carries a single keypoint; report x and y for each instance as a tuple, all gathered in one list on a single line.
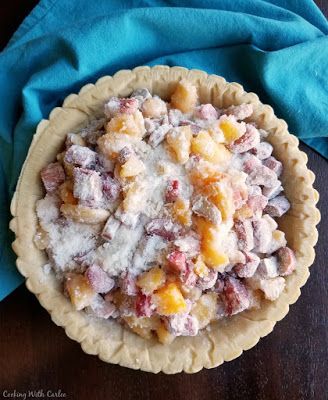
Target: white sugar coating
[(69, 241), (116, 256), (47, 209)]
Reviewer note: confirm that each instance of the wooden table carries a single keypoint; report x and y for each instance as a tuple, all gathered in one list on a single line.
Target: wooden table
[(291, 363)]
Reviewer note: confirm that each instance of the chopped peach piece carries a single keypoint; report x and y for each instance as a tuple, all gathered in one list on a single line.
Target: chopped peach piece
[(221, 195), (41, 238), (79, 290), (178, 140), (151, 280), (132, 167), (213, 256), (164, 336), (243, 213), (206, 147), (205, 309), (134, 196), (230, 131), (169, 300), (130, 124), (66, 193), (85, 215), (200, 268), (182, 212), (142, 326), (205, 173), (184, 97)]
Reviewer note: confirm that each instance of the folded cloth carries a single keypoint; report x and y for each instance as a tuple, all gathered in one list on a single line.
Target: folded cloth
[(276, 48)]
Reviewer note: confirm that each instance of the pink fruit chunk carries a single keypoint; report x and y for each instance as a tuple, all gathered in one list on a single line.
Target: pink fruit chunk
[(254, 190), (268, 268), (124, 154), (286, 260), (272, 192), (262, 176), (163, 227), (110, 228), (262, 235), (175, 116), (204, 208), (143, 305), (207, 282), (111, 187), (277, 206), (128, 106), (274, 165), (188, 276), (257, 203), (248, 269), (219, 285), (128, 284), (250, 163), (52, 176), (177, 261), (189, 244), (206, 111), (235, 296), (244, 231), (81, 156), (99, 279), (182, 325), (246, 142), (87, 185), (240, 112), (172, 191), (263, 150), (117, 105), (103, 309), (158, 135)]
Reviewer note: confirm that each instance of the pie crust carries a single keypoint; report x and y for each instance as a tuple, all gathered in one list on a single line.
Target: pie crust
[(224, 340)]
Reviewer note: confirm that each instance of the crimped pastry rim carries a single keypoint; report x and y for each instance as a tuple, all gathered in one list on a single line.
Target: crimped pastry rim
[(224, 340)]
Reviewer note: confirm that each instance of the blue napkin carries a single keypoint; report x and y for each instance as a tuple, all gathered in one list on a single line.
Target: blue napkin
[(276, 48)]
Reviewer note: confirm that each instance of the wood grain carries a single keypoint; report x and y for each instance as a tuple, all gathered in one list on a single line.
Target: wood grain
[(291, 363)]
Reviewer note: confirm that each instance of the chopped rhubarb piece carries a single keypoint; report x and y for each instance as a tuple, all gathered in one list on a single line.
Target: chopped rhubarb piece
[(286, 260), (274, 165), (172, 191), (124, 154), (128, 284), (175, 117), (219, 284), (98, 279), (206, 111), (87, 185), (250, 162), (257, 203), (188, 276), (272, 287), (246, 142), (143, 305), (240, 112), (128, 106), (177, 261), (235, 296), (189, 244), (52, 176), (110, 228), (244, 231), (81, 156), (268, 267), (103, 309), (247, 269), (182, 325), (272, 192), (277, 206), (262, 235), (111, 187), (163, 227), (273, 224), (254, 190), (141, 95), (207, 282), (158, 135), (117, 106), (127, 218), (263, 150), (204, 208), (262, 176)]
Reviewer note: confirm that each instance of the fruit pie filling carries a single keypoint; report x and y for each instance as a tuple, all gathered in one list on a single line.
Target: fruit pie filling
[(161, 215)]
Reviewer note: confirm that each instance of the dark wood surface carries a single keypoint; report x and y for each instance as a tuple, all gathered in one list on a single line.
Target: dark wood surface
[(291, 363)]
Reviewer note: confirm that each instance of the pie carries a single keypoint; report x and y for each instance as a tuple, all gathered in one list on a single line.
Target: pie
[(174, 221)]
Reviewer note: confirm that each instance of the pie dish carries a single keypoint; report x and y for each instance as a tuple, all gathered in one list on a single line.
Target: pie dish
[(225, 339)]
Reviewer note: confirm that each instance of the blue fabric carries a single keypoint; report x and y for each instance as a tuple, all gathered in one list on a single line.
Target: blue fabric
[(276, 48)]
